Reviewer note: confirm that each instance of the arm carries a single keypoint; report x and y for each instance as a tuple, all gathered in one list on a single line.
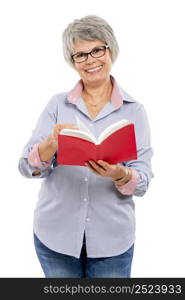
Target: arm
[(34, 160), (45, 140), (128, 187), (145, 152), (42, 153)]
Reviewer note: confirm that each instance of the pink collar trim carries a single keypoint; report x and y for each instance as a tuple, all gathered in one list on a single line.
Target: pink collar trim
[(116, 97)]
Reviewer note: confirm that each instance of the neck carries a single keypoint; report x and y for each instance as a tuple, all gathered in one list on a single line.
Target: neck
[(99, 93)]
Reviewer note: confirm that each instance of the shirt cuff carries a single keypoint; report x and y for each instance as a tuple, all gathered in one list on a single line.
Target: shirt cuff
[(129, 187), (34, 158)]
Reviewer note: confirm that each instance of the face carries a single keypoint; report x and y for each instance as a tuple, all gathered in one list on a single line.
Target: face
[(93, 71)]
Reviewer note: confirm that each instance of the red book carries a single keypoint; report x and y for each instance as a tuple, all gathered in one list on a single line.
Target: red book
[(117, 143)]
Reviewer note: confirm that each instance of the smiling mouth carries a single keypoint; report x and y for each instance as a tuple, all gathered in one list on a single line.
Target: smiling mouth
[(97, 69)]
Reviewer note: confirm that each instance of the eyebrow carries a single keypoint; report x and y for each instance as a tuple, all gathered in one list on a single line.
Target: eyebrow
[(87, 51)]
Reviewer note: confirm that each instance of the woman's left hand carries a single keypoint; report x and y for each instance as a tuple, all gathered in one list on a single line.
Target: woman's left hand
[(105, 169)]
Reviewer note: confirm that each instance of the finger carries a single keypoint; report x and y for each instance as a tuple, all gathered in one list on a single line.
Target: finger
[(72, 127), (104, 164), (88, 165), (59, 126), (69, 126), (97, 167)]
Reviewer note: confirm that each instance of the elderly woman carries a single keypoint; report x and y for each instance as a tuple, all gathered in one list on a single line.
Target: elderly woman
[(84, 222)]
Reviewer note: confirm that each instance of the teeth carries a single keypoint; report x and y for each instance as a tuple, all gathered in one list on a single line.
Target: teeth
[(95, 69)]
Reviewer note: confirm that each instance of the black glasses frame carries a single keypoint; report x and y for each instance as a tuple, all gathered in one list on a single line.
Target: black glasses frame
[(90, 52)]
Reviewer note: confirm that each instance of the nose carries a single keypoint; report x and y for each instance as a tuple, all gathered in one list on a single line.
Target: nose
[(90, 59)]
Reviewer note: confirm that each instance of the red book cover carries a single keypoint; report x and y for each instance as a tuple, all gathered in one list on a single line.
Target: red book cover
[(118, 146)]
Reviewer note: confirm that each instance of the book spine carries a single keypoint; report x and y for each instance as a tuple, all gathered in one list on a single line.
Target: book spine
[(98, 152)]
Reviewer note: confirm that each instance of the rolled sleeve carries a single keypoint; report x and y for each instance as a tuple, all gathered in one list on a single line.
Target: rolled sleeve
[(130, 186), (34, 158), (28, 171)]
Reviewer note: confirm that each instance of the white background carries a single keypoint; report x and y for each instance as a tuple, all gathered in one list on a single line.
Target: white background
[(150, 67)]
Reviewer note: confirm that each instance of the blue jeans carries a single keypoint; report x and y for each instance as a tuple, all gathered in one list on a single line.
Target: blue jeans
[(55, 264)]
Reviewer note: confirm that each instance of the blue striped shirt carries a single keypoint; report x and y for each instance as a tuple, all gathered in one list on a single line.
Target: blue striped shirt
[(72, 199)]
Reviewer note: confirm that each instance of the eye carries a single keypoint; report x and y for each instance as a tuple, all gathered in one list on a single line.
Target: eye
[(80, 55), (97, 50)]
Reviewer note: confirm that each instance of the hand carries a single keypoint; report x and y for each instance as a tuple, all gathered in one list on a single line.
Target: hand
[(49, 145), (105, 169), (53, 137)]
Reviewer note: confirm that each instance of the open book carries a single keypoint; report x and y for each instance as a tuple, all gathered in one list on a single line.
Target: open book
[(115, 144)]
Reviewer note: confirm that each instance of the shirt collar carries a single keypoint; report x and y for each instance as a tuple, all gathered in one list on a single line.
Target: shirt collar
[(117, 98)]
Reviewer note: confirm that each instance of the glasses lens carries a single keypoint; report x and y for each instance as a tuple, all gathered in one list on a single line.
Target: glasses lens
[(79, 57), (98, 51)]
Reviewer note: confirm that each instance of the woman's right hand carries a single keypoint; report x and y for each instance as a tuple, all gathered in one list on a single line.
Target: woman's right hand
[(49, 145), (56, 130)]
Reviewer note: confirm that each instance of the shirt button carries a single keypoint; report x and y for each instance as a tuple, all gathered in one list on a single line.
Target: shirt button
[(85, 199), (87, 219), (86, 179)]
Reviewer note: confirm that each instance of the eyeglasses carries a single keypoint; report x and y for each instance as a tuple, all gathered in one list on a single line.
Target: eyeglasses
[(96, 52)]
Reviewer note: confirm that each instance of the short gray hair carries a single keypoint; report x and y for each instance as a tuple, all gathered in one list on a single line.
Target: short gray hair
[(88, 28)]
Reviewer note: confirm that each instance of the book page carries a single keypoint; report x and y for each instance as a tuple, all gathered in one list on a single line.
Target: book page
[(82, 126), (112, 128), (79, 134)]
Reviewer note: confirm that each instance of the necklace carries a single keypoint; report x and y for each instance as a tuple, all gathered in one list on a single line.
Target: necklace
[(92, 104), (100, 102)]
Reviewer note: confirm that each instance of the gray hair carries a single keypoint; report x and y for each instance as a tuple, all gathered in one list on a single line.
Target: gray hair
[(88, 28)]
